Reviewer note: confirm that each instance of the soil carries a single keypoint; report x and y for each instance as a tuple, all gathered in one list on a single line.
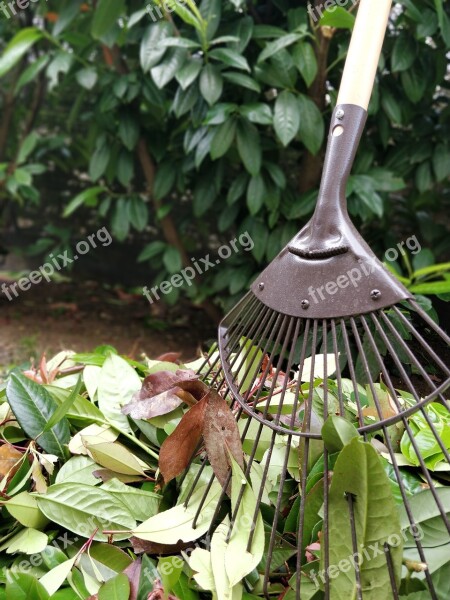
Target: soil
[(59, 316)]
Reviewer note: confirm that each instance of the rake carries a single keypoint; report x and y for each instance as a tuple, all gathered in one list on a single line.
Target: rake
[(326, 331)]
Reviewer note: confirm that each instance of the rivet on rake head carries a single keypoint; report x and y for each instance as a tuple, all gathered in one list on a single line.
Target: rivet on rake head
[(340, 114), (375, 294), (261, 286), (305, 304)]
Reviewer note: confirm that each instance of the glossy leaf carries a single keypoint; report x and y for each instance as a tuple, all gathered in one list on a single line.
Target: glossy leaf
[(33, 406)]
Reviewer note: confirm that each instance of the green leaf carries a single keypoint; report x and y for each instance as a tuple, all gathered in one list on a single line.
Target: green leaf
[(140, 503), (78, 469), (27, 541), (33, 406), (242, 80), (82, 509), (87, 77), (27, 147), (211, 11), (441, 162), (337, 433), (164, 180), (403, 53), (129, 130), (151, 51), (54, 579), (23, 507), (151, 250), (166, 70), (277, 45), (312, 128), (305, 60), (249, 146), (255, 194), (170, 569), (17, 47), (223, 138), (359, 472), (117, 588), (120, 221), (106, 16), (391, 107), (31, 72), (431, 289), (137, 213), (172, 259), (211, 84), (239, 560), (428, 518), (118, 382), (189, 72), (175, 524), (63, 408), (87, 197), (257, 113), (286, 119), (230, 58), (337, 17), (99, 160), (24, 586)]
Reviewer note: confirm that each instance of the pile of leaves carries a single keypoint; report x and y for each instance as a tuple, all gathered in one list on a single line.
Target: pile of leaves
[(116, 477)]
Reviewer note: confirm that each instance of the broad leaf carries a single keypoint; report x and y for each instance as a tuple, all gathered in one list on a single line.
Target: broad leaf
[(118, 382), (175, 524), (359, 472), (17, 47), (33, 406), (83, 509), (286, 119)]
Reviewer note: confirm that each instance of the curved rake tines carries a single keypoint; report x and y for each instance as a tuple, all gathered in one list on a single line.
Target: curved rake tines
[(386, 377)]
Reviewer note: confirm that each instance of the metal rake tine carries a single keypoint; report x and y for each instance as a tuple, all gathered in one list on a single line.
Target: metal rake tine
[(399, 480)]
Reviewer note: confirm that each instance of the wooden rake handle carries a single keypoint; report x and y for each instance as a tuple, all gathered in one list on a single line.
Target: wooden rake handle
[(364, 52)]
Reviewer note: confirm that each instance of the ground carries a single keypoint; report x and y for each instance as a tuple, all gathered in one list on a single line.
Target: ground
[(56, 316)]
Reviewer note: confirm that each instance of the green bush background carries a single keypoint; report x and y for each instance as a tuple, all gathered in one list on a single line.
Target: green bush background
[(182, 133)]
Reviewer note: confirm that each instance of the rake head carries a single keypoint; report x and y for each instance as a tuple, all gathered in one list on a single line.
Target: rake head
[(345, 516)]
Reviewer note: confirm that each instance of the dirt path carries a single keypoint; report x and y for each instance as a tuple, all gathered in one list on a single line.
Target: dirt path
[(52, 317)]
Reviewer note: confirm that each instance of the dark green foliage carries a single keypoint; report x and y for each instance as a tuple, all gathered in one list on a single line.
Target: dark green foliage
[(228, 102)]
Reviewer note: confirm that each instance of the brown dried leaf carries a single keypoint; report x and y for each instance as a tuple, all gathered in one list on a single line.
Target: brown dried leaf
[(221, 435), (173, 357), (105, 475), (9, 458), (133, 572), (178, 448), (163, 392), (143, 546), (162, 381)]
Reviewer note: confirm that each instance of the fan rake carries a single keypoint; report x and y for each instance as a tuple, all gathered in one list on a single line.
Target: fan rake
[(335, 376)]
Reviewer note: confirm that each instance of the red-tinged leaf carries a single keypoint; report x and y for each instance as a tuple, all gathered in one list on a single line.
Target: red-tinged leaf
[(133, 572), (185, 387), (178, 448), (143, 546), (163, 381), (221, 435), (173, 357), (153, 407)]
